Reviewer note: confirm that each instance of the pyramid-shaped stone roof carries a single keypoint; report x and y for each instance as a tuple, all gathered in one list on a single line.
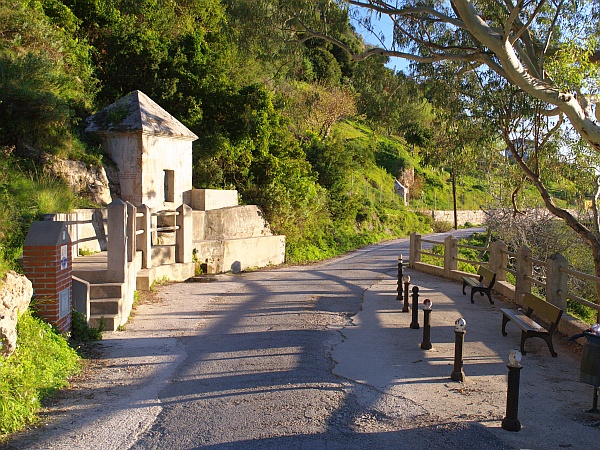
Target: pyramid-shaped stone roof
[(137, 112)]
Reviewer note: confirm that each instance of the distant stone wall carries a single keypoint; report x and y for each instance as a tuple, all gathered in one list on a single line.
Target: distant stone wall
[(462, 217)]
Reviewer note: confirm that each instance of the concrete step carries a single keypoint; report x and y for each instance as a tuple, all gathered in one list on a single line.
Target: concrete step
[(170, 272), (104, 306), (90, 275), (91, 268), (108, 322), (103, 290)]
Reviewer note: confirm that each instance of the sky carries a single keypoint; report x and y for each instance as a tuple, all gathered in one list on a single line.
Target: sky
[(385, 25)]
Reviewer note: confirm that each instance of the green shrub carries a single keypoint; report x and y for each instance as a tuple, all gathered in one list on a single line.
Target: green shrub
[(441, 226), (41, 364), (81, 332)]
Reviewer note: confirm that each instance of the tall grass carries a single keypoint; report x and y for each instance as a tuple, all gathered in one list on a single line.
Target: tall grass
[(25, 196), (41, 364)]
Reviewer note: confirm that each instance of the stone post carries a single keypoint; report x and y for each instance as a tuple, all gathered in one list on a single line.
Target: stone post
[(415, 250), (450, 255), (499, 259), (117, 241), (556, 281), (184, 235), (144, 240), (47, 263), (131, 229), (524, 270)]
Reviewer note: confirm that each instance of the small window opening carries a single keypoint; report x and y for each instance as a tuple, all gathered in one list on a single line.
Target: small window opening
[(169, 185)]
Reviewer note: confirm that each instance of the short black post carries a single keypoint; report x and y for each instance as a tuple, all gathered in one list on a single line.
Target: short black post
[(399, 288), (459, 340), (426, 344), (406, 279), (511, 421), (415, 308), (594, 409)]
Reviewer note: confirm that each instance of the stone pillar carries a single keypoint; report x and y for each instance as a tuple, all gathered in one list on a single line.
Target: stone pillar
[(47, 262), (131, 229), (184, 235), (144, 240), (415, 250), (556, 281), (499, 259), (450, 255), (117, 241), (524, 270)]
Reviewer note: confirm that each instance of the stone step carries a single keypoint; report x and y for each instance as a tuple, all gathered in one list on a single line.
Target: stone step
[(103, 290), (106, 306), (172, 272), (108, 322), (91, 276)]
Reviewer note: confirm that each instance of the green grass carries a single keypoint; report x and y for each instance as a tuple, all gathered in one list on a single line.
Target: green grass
[(476, 240), (41, 364), (25, 196)]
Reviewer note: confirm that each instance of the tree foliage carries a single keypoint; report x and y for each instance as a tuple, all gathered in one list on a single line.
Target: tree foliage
[(547, 49)]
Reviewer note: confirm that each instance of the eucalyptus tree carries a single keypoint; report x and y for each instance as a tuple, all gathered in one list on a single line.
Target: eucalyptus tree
[(546, 48)]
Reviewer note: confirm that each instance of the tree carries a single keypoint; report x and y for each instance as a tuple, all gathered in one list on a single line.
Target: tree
[(45, 76), (530, 44), (546, 49)]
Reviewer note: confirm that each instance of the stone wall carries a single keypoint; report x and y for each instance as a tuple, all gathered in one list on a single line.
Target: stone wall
[(207, 199), (474, 217), (234, 222), (15, 295)]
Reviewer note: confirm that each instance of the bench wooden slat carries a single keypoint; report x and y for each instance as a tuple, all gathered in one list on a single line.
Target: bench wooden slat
[(522, 321), (487, 274), (472, 281), (483, 285), (542, 308), (534, 305)]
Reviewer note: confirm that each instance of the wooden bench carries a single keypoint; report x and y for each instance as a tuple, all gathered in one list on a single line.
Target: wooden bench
[(530, 328), (483, 285)]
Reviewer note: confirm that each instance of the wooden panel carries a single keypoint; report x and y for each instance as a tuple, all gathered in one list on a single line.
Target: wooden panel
[(542, 308)]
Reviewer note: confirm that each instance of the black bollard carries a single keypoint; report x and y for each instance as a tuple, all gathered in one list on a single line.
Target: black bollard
[(426, 344), (594, 409), (459, 334), (415, 308), (399, 289), (511, 421), (406, 279)]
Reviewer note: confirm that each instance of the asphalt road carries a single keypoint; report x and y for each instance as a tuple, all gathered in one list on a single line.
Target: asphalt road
[(255, 360)]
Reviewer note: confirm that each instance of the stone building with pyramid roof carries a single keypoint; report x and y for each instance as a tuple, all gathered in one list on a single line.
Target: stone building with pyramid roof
[(151, 148)]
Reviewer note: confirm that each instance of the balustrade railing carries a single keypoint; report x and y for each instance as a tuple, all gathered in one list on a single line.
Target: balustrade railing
[(551, 277), (121, 229)]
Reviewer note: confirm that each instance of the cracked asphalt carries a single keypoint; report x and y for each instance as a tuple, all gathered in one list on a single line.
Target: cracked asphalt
[(317, 357)]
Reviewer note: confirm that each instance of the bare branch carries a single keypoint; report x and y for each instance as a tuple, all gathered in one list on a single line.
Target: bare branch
[(595, 207), (590, 237), (549, 35), (513, 15), (388, 10), (525, 27), (472, 55), (552, 131)]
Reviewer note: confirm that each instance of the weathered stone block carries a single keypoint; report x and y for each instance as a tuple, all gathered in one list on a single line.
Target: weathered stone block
[(15, 296)]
